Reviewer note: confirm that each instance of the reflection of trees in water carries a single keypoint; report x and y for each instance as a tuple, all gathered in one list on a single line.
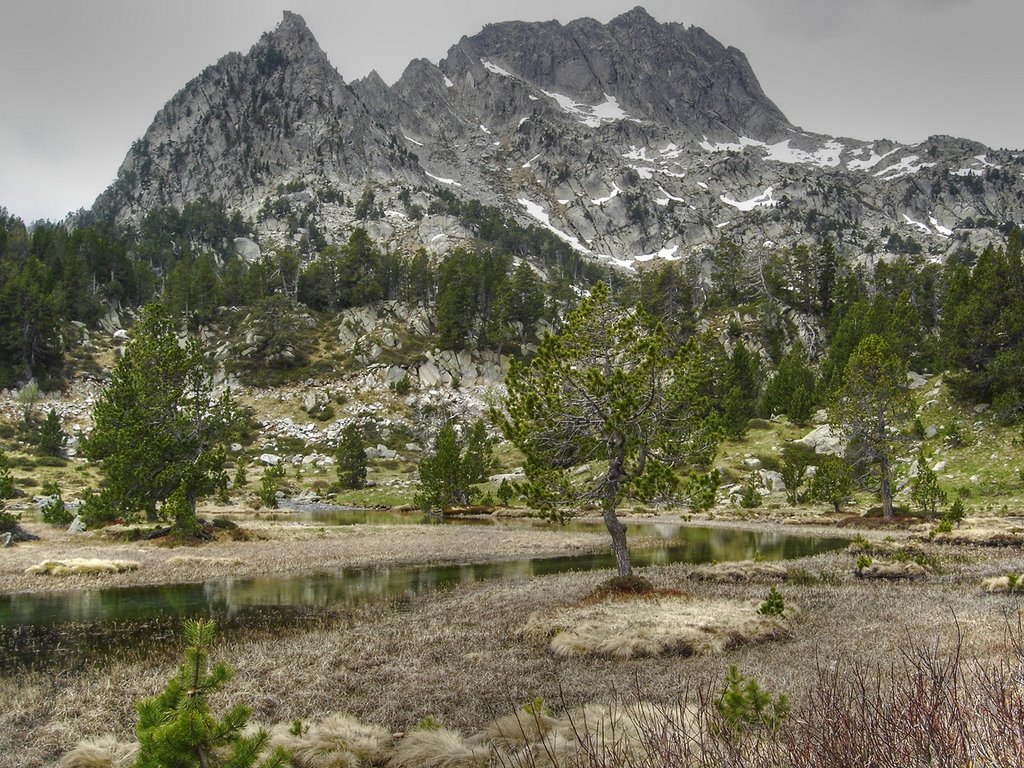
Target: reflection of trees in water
[(40, 624)]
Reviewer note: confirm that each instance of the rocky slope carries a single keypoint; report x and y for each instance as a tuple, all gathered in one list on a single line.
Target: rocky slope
[(632, 141)]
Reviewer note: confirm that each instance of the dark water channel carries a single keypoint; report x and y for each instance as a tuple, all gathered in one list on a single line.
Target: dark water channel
[(43, 629)]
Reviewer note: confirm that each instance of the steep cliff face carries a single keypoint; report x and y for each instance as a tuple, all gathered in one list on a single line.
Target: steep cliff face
[(249, 122), (630, 140)]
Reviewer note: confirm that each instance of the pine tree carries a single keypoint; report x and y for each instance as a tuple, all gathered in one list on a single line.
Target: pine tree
[(156, 425), (176, 728), (6, 478), (351, 458), (873, 401), (833, 482), (478, 457), (52, 437), (442, 480), (926, 492), (611, 388)]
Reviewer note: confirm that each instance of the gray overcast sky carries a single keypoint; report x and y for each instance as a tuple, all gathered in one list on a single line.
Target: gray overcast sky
[(82, 79)]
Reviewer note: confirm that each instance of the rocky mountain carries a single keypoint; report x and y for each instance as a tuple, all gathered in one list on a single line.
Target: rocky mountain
[(632, 141)]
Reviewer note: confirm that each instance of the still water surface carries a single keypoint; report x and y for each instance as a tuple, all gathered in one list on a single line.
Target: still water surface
[(36, 625)]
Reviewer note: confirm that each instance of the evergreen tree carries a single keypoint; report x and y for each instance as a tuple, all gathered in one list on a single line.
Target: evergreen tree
[(791, 389), (52, 437), (351, 458), (176, 728), (833, 482), (873, 402), (796, 458), (6, 478), (156, 426), (478, 458), (926, 492), (607, 391), (443, 482)]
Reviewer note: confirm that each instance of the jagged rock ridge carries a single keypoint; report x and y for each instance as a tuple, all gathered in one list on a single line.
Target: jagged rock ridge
[(631, 141)]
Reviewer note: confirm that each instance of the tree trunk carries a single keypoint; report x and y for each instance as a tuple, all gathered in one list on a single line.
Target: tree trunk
[(618, 533), (836, 503), (887, 511), (611, 520)]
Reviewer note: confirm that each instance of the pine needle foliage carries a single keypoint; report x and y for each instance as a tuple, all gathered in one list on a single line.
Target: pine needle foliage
[(176, 728)]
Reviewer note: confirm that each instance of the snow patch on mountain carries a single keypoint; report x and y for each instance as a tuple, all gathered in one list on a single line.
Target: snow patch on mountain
[(537, 212), (765, 200), (443, 180), (908, 166), (871, 161), (491, 67), (591, 116)]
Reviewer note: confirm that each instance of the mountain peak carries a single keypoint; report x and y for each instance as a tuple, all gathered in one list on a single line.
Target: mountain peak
[(293, 34)]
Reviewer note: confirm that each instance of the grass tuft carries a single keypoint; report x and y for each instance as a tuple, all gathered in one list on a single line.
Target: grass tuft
[(81, 566)]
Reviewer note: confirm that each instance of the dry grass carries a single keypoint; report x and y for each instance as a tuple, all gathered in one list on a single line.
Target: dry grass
[(339, 741), (907, 569), (77, 566), (625, 629), (742, 571), (1002, 584), (183, 560), (104, 752), (438, 748)]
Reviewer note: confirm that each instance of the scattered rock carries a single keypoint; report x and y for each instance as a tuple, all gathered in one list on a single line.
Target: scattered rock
[(6, 539), (77, 526), (270, 459), (752, 463)]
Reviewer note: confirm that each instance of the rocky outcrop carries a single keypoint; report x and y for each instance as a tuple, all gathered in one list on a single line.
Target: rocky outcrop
[(632, 141)]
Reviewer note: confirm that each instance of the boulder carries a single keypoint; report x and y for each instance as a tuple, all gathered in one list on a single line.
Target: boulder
[(77, 526), (772, 480), (752, 463), (247, 249), (270, 459), (822, 441)]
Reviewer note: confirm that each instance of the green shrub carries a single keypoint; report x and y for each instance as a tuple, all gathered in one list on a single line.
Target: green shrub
[(773, 605), (863, 561), (96, 510), (701, 490), (55, 512), (505, 491), (750, 498), (268, 488), (176, 728), (744, 706)]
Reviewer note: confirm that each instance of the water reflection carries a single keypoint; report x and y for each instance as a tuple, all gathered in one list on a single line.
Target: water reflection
[(42, 623)]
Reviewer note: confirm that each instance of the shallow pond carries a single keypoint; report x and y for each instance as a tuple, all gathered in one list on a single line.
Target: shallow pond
[(34, 626)]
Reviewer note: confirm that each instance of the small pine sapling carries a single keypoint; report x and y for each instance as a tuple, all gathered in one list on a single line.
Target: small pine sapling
[(240, 474), (52, 437), (744, 706), (750, 498), (176, 728), (268, 488), (773, 605)]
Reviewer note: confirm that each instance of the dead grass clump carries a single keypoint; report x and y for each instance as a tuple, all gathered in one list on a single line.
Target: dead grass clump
[(654, 627), (339, 741), (595, 734), (894, 571), (438, 748), (741, 571), (982, 537), (1009, 583), (103, 752), (180, 560), (625, 585), (82, 566), (519, 728)]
